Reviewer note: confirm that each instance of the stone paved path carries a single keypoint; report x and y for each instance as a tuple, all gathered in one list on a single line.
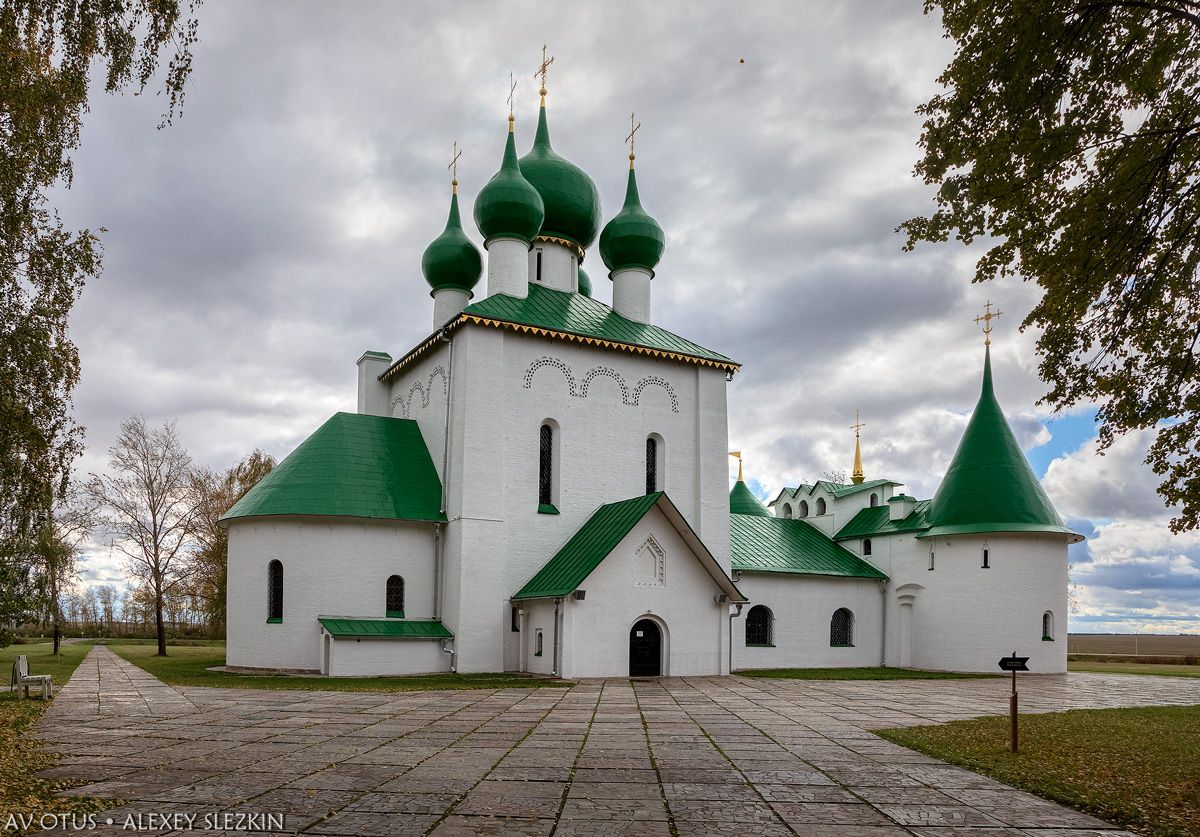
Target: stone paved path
[(673, 756)]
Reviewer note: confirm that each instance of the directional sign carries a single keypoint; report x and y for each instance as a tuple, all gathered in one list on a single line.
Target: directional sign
[(1014, 663)]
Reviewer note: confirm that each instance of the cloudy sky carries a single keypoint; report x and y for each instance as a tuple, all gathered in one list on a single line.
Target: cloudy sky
[(259, 245)]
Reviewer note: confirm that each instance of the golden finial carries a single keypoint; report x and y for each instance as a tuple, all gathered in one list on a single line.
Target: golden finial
[(512, 87), (541, 71), (986, 318), (453, 167), (737, 454), (633, 129), (856, 476)]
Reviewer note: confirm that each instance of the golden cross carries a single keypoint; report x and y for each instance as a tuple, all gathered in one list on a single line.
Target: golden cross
[(986, 318), (512, 88), (737, 454), (453, 168), (633, 129), (858, 425), (541, 71)]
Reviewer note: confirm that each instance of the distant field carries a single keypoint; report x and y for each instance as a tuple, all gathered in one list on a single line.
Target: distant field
[(1139, 644)]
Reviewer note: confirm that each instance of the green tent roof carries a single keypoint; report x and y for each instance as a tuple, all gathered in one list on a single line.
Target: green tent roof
[(385, 628), (576, 314), (599, 536), (743, 501), (776, 545), (989, 486), (870, 522), (352, 466)]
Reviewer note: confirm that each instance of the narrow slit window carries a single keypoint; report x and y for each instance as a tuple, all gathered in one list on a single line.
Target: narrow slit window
[(394, 597), (537, 645), (539, 266), (866, 546), (931, 559), (546, 465), (651, 465), (987, 559), (275, 592), (515, 624)]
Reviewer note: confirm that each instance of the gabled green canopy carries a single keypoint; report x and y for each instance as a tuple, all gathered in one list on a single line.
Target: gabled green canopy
[(775, 545), (989, 486), (743, 501), (352, 466)]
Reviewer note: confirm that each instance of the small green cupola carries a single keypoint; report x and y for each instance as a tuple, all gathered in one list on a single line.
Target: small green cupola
[(632, 238), (451, 261), (743, 501), (508, 206), (569, 197), (585, 283), (989, 486)]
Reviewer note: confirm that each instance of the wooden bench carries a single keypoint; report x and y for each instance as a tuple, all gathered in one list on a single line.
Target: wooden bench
[(22, 679)]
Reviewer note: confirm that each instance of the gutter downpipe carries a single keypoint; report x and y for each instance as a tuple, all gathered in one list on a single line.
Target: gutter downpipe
[(732, 614), (557, 660), (883, 625), (439, 547)]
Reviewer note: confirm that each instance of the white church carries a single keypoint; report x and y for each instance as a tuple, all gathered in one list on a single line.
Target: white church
[(541, 485)]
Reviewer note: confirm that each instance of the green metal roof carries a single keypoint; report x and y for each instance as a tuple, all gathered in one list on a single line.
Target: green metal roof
[(776, 545), (790, 493), (632, 238), (508, 205), (575, 314), (569, 196), (743, 501), (839, 491), (352, 466), (385, 628), (989, 486), (451, 260), (599, 536), (870, 522)]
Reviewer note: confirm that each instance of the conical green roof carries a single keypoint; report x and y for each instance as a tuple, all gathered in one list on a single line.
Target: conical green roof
[(632, 238), (743, 501), (569, 196), (451, 260), (989, 486), (585, 283), (508, 205)]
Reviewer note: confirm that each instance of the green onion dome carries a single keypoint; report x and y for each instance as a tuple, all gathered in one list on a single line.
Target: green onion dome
[(585, 283), (451, 260), (509, 205), (569, 196), (632, 238)]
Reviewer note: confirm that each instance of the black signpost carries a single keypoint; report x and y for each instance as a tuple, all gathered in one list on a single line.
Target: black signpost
[(1013, 664)]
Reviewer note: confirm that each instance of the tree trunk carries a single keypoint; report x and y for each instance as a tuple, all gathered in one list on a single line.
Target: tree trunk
[(57, 636), (158, 621)]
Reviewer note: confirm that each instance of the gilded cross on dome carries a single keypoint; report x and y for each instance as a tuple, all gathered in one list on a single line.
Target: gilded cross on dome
[(737, 454), (453, 168), (512, 88), (986, 318), (633, 129), (541, 71)]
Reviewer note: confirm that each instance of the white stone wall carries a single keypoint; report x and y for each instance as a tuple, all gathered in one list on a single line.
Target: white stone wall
[(964, 617), (802, 606), (419, 392), (560, 266), (331, 567), (365, 657), (678, 593)]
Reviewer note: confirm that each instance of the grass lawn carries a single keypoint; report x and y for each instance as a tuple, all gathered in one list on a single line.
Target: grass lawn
[(1136, 668), (20, 792), (873, 673), (1136, 768), (187, 666)]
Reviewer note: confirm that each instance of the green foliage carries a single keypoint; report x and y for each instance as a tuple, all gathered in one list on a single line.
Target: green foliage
[(1069, 136), (1162, 669), (874, 673), (215, 493), (188, 666), (47, 49), (1136, 768)]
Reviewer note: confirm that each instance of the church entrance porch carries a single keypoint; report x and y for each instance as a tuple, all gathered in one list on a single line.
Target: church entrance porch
[(645, 649)]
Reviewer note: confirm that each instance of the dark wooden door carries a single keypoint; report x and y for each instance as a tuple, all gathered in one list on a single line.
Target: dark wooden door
[(645, 650)]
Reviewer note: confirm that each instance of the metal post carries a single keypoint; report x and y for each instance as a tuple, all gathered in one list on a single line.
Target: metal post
[(1012, 712)]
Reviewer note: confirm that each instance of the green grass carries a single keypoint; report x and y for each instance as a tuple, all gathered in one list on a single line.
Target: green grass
[(1136, 768), (1165, 670), (21, 793), (873, 673), (188, 666)]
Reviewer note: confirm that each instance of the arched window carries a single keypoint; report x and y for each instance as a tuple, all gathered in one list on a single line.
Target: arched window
[(987, 559), (652, 460), (866, 546), (820, 506), (874, 500), (546, 466), (758, 626), (1047, 627), (841, 628), (395, 597), (804, 508), (931, 559), (787, 511), (274, 592)]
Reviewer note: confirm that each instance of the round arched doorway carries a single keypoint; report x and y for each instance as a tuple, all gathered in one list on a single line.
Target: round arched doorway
[(645, 649)]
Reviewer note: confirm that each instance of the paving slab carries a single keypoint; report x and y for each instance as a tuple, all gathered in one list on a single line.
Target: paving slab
[(682, 756)]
